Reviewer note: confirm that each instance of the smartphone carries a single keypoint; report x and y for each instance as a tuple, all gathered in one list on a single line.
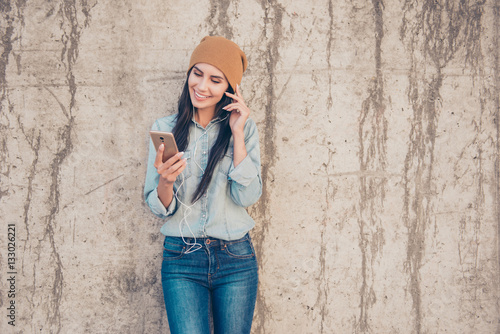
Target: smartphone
[(167, 138)]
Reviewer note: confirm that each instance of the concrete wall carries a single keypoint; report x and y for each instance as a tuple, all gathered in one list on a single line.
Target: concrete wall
[(379, 125)]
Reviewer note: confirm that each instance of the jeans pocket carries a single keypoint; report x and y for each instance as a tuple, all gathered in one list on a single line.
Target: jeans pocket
[(172, 250), (240, 249)]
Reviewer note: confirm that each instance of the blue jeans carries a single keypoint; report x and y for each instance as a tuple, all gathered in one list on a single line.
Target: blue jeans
[(214, 287)]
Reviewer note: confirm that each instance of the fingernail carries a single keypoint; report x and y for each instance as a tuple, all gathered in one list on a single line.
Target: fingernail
[(180, 154)]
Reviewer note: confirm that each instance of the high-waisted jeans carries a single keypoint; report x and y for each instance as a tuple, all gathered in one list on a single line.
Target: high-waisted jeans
[(212, 287)]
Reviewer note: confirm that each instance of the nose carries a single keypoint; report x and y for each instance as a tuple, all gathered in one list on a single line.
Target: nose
[(202, 84)]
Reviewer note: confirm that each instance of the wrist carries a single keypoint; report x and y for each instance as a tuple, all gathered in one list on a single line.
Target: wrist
[(164, 183), (238, 135)]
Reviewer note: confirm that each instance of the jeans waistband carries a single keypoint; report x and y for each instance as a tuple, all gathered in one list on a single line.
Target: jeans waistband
[(214, 242)]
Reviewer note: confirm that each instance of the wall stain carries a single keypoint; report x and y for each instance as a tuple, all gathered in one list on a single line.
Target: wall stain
[(218, 21), (33, 138), (372, 158), (320, 307), (329, 47), (321, 302), (273, 15), (8, 19), (496, 98), (473, 280), (433, 32), (71, 31), (4, 156), (9, 14)]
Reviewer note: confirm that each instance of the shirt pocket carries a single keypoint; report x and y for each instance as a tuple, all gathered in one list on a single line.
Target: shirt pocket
[(226, 161)]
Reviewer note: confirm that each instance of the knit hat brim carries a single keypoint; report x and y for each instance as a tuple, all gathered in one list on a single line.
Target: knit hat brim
[(223, 54)]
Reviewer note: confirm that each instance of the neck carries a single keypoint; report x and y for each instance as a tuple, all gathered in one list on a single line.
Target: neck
[(203, 116)]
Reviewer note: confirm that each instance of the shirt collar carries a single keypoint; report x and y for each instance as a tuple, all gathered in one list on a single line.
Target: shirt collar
[(213, 121)]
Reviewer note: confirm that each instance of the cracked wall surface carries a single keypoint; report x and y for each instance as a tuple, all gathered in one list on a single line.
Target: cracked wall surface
[(380, 142)]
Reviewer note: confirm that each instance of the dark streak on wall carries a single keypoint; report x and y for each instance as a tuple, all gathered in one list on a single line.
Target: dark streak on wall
[(472, 275), (273, 14), (329, 53), (70, 38), (218, 20), (323, 287), (433, 32), (372, 158), (7, 20), (496, 98), (33, 138), (418, 163)]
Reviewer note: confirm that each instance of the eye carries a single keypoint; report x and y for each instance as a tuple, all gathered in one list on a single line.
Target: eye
[(197, 74), (216, 81)]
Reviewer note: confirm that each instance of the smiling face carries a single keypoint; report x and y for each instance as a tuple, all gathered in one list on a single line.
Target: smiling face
[(207, 85)]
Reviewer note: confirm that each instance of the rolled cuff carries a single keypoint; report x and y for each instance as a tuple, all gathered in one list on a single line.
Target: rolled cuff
[(244, 173), (157, 206)]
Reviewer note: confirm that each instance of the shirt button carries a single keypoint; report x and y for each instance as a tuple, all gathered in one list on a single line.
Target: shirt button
[(204, 152)]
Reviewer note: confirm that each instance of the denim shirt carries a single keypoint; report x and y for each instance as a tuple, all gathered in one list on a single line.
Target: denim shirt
[(220, 213)]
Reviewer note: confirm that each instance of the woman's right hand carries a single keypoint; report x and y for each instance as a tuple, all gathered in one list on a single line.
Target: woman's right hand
[(170, 169)]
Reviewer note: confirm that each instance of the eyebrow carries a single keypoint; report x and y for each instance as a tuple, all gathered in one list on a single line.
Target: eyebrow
[(212, 76)]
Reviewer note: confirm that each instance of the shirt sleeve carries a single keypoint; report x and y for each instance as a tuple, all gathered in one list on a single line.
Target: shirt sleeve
[(246, 182), (151, 186)]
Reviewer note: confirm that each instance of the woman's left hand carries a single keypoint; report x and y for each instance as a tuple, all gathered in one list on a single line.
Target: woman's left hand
[(239, 111)]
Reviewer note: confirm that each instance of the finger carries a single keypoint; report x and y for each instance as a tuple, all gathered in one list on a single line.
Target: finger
[(231, 106), (167, 164), (239, 108), (174, 158), (177, 165), (234, 97), (183, 164), (174, 170), (159, 155), (233, 109), (236, 105)]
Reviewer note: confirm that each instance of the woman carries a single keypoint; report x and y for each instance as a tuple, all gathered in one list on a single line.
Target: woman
[(209, 269)]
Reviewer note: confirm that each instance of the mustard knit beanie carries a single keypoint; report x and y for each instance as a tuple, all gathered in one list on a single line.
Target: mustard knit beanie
[(223, 54)]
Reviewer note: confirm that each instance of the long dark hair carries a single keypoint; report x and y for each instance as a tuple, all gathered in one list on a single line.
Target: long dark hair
[(181, 134)]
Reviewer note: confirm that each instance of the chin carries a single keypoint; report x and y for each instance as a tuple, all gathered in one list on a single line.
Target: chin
[(198, 105)]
